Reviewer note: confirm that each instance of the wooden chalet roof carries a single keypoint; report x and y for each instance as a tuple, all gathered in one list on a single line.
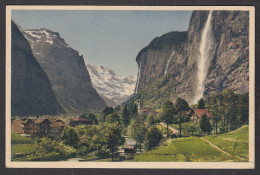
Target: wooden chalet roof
[(200, 112), (129, 146), (148, 109), (17, 126)]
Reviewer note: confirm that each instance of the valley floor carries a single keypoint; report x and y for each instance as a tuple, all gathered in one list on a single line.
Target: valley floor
[(232, 146)]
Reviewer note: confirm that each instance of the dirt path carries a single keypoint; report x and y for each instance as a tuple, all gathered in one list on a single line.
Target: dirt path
[(215, 146), (174, 131)]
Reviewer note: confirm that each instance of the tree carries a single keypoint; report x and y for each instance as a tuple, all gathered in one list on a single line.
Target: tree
[(201, 104), (243, 108), (137, 131), (180, 106), (186, 128), (135, 110), (107, 111), (112, 138), (230, 110), (150, 119), (125, 116), (205, 125), (70, 137), (152, 138), (168, 113), (215, 103), (193, 128), (113, 118)]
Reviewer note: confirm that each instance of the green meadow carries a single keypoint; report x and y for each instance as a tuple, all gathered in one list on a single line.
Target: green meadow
[(194, 149), (234, 142)]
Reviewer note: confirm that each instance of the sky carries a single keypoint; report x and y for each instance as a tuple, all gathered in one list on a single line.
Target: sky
[(106, 38)]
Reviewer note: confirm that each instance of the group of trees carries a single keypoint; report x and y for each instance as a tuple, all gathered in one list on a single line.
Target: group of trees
[(173, 112), (98, 138), (229, 110)]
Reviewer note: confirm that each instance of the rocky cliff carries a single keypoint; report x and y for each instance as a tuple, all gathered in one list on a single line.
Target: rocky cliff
[(66, 71), (173, 58), (31, 92)]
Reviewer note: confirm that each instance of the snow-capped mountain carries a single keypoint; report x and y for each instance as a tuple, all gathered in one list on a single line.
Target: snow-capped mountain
[(109, 85), (66, 70)]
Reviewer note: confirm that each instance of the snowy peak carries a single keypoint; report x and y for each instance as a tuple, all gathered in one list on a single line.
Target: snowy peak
[(108, 84), (44, 35)]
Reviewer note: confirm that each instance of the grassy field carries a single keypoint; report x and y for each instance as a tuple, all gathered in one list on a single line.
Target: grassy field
[(15, 136), (23, 148), (20, 145), (235, 142), (193, 149)]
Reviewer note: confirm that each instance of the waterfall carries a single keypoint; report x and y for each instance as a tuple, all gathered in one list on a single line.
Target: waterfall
[(138, 77), (203, 61), (168, 62)]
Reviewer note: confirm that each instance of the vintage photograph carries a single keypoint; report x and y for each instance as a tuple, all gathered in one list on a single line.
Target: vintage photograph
[(130, 87)]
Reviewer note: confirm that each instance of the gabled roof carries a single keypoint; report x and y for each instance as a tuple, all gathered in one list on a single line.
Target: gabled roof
[(18, 128), (149, 109), (129, 146), (200, 112), (17, 121)]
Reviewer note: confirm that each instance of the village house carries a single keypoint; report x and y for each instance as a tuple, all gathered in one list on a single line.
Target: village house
[(130, 146), (129, 149), (81, 121), (146, 111), (196, 114), (43, 127)]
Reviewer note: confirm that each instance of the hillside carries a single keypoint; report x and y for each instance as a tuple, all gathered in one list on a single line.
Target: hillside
[(31, 89), (194, 149), (66, 71), (223, 46)]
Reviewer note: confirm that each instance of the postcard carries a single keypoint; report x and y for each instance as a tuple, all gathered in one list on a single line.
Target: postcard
[(130, 87)]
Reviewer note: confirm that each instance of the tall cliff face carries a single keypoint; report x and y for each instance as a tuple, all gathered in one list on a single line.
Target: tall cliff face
[(66, 71), (31, 92), (175, 55)]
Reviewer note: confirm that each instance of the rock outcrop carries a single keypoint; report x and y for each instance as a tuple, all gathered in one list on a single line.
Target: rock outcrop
[(66, 71), (174, 55), (31, 92)]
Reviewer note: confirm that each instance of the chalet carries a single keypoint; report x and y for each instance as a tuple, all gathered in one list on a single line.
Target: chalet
[(196, 114), (38, 127), (17, 126), (81, 121), (129, 148), (147, 111)]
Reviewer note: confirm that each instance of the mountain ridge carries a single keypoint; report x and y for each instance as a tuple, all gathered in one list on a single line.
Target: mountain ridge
[(66, 70), (31, 92), (110, 85)]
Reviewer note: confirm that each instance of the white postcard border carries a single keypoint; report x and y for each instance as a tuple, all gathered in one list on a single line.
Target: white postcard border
[(141, 165)]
